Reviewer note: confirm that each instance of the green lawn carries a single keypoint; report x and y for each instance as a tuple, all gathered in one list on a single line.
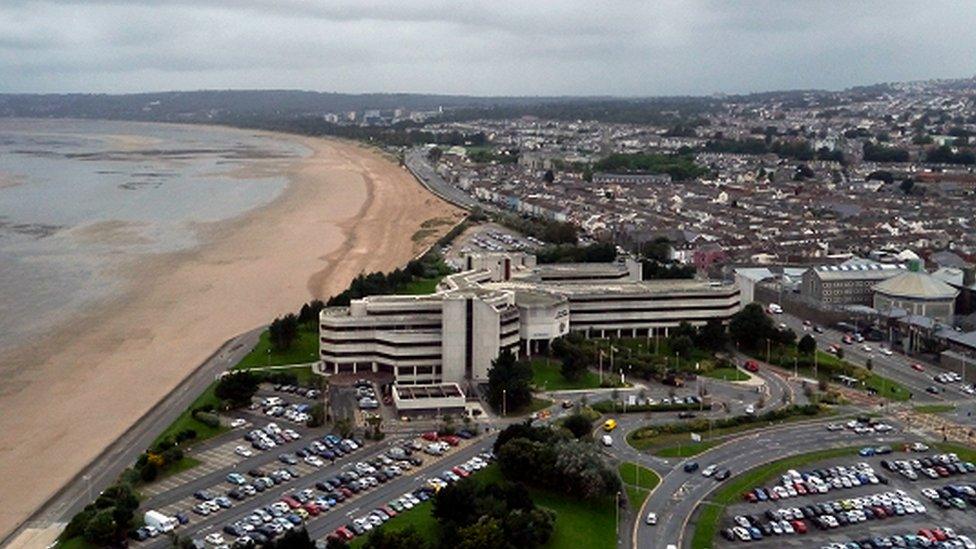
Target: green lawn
[(707, 525), (420, 286), (182, 465), (703, 357), (935, 408), (728, 374), (420, 517), (686, 450), (546, 376), (579, 523), (887, 388), (304, 350)]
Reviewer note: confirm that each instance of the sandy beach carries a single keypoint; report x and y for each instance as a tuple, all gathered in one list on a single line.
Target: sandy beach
[(346, 210)]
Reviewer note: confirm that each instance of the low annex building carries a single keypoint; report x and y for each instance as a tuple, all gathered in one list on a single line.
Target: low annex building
[(506, 301)]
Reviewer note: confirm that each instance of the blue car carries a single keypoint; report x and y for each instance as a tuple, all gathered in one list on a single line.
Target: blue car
[(866, 452)]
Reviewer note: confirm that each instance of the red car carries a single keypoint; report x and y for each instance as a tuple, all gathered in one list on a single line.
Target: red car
[(927, 534), (292, 502), (799, 526), (430, 436), (388, 510), (848, 340), (312, 509), (752, 366), (451, 439), (918, 367), (460, 472), (750, 497), (344, 533), (939, 534)]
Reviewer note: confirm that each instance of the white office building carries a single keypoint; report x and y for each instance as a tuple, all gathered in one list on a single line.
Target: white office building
[(507, 301)]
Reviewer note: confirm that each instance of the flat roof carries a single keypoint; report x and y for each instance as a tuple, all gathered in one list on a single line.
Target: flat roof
[(422, 392)]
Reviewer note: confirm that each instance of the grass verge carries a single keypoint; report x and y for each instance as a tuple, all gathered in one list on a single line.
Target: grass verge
[(965, 453), (935, 408), (534, 406), (638, 482), (706, 527), (664, 441), (687, 450)]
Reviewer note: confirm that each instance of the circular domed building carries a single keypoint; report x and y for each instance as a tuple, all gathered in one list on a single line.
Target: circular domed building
[(919, 294)]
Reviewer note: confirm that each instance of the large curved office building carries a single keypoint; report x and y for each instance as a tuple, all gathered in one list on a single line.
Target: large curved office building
[(507, 301)]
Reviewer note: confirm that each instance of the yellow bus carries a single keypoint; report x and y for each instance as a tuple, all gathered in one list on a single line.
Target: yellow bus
[(609, 425)]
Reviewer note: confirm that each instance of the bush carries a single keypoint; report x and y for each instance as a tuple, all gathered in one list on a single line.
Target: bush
[(208, 419)]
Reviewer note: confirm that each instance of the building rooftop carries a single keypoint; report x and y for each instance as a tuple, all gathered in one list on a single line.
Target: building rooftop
[(916, 285)]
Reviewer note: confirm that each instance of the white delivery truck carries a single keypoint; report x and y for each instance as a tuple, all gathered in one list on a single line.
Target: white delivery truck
[(160, 521), (607, 441)]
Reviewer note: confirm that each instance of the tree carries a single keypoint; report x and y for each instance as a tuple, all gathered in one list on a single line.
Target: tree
[(102, 528), (316, 416), (509, 380), (579, 425), (681, 345), (807, 345), (907, 185), (487, 533), (712, 335), (295, 539), (283, 331), (574, 364), (237, 388), (750, 326)]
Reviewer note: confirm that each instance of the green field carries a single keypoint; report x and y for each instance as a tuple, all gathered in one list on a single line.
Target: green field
[(707, 525), (579, 523), (546, 376), (935, 408)]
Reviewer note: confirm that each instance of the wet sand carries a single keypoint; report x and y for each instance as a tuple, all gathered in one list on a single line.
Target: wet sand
[(63, 398)]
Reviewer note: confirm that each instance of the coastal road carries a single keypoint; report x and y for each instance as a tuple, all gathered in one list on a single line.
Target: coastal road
[(105, 469), (415, 160), (679, 493)]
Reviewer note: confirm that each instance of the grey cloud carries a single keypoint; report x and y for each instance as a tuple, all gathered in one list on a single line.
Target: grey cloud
[(500, 47)]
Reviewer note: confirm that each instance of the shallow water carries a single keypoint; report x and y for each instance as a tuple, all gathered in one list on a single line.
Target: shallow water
[(79, 197)]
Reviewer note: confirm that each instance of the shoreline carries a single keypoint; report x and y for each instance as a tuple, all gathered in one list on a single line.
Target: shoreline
[(345, 210)]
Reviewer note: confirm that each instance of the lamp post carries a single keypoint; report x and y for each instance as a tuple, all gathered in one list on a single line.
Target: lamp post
[(504, 410)]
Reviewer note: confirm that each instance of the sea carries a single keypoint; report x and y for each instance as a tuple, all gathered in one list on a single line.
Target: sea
[(81, 197)]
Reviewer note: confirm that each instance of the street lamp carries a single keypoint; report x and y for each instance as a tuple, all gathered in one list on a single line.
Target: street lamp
[(504, 412)]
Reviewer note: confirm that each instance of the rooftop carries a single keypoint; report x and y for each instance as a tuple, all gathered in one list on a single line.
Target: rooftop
[(916, 285)]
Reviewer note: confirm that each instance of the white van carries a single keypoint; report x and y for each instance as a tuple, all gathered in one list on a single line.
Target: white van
[(160, 521), (607, 441), (775, 309)]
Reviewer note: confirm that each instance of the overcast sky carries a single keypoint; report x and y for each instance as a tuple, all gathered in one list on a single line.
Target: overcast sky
[(491, 47)]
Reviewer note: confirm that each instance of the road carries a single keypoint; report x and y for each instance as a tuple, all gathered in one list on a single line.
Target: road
[(106, 467), (679, 493), (416, 161), (897, 367)]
